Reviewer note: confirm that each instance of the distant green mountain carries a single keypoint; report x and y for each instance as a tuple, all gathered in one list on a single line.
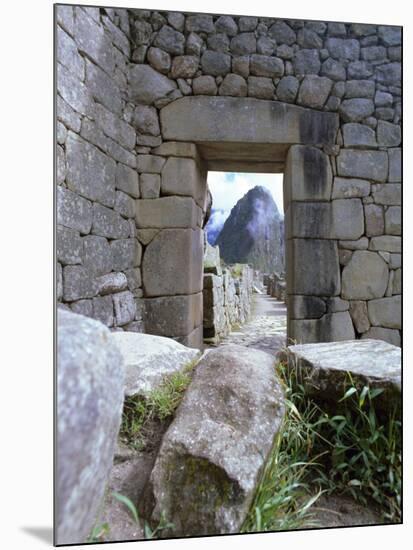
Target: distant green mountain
[(254, 232)]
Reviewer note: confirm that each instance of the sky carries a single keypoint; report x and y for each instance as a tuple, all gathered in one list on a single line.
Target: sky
[(228, 187)]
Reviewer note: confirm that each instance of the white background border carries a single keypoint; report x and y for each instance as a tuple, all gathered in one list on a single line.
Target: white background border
[(26, 269)]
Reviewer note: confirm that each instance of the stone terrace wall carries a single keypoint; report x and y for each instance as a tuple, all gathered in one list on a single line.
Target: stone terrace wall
[(227, 295), (97, 250), (353, 70)]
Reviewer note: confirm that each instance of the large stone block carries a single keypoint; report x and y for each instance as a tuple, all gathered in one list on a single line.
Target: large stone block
[(358, 135), (386, 243), (182, 176), (112, 282), (265, 65), (74, 93), (386, 312), (365, 276), (114, 127), (125, 307), (170, 40), (148, 359), (312, 267), (163, 273), (207, 470), (90, 172), (126, 253), (331, 327), (147, 85), (97, 256), (349, 188), (78, 283), (69, 246), (103, 88), (168, 212), (102, 310), (344, 210), (393, 220), (90, 380), (359, 315), (387, 193), (395, 165), (245, 119), (108, 223), (67, 54), (308, 175), (324, 370), (311, 220), (67, 115), (314, 91), (93, 41), (374, 219), (343, 48), (371, 165), (356, 109), (65, 17), (173, 315)]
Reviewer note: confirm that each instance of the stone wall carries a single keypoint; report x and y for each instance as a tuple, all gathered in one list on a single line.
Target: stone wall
[(276, 286), (138, 87), (227, 295)]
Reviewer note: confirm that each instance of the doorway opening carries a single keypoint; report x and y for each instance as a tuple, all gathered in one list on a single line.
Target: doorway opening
[(244, 291)]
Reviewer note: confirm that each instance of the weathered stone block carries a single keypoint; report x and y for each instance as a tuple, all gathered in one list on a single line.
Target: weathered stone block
[(134, 278), (73, 211), (65, 18), (69, 246), (114, 127), (90, 172), (103, 310), (82, 307), (360, 244), (124, 306), (75, 94), (151, 164), (97, 256), (359, 315), (108, 223), (388, 135), (356, 109), (182, 176), (226, 24), (336, 304), (395, 165), (111, 282), (372, 165), (208, 488), (314, 91), (365, 276), (385, 312), (184, 66), (386, 243), (282, 33), (349, 188), (147, 86), (204, 85), (308, 175), (215, 63), (374, 219), (150, 186), (332, 327), (166, 254), (260, 87), (311, 220), (65, 113), (389, 74), (93, 41), (264, 65), (127, 180), (126, 253), (245, 119), (233, 85), (358, 135), (343, 48), (244, 44), (333, 69), (393, 219), (103, 88), (287, 89), (89, 396), (177, 149), (397, 282), (387, 194), (173, 315), (313, 267), (159, 60), (170, 40), (67, 54), (344, 210), (124, 204), (168, 212), (307, 62), (359, 89), (78, 283)]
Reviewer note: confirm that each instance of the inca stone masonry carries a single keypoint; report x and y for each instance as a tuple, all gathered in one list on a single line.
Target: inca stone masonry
[(148, 102)]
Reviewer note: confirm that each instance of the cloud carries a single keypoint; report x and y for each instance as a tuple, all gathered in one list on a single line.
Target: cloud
[(228, 187)]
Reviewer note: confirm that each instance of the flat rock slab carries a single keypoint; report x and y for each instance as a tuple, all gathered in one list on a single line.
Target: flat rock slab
[(148, 359), (325, 367), (213, 454)]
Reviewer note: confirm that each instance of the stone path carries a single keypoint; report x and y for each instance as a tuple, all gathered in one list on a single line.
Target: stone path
[(266, 329)]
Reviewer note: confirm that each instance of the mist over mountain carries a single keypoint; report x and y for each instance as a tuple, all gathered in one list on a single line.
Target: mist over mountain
[(215, 224), (254, 232)]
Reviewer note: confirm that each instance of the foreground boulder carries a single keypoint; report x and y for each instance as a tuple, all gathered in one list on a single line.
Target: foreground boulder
[(90, 385), (214, 452), (148, 359), (324, 369)]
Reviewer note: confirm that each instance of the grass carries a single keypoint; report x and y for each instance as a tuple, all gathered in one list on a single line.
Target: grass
[(140, 413), (316, 452)]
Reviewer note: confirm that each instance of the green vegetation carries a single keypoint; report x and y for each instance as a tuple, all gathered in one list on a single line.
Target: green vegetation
[(140, 413), (349, 452)]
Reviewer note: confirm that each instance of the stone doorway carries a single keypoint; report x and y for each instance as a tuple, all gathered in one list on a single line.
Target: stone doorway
[(246, 135)]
